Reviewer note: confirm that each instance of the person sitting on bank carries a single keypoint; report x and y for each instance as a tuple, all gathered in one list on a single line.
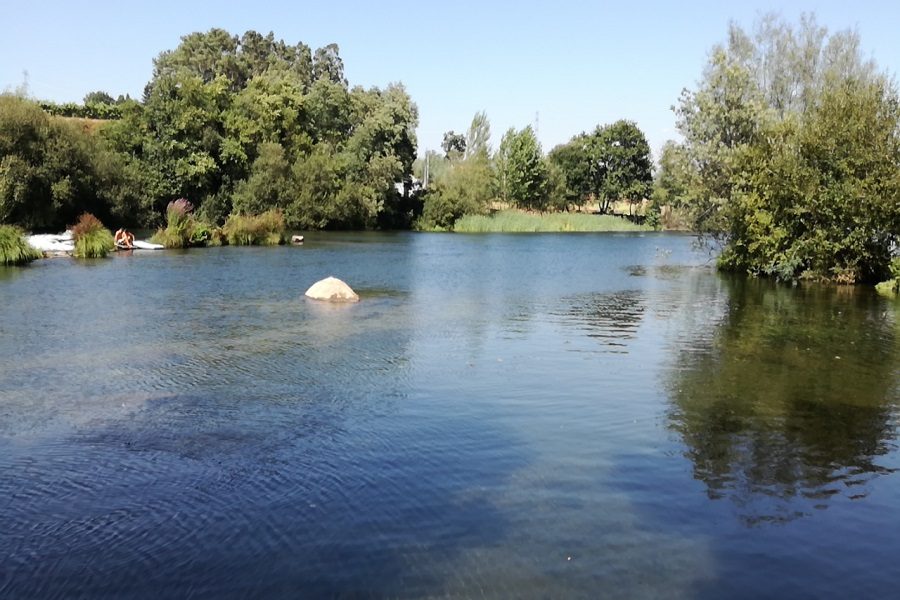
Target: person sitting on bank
[(124, 239)]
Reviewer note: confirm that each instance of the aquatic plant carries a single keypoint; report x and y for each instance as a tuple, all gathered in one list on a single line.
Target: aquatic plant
[(92, 239), (891, 287), (14, 249), (266, 229), (514, 221), (183, 229)]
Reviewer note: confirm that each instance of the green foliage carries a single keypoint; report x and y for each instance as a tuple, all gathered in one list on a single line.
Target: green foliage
[(101, 111), (514, 221), (891, 287), (454, 145), (620, 164), (464, 189), (14, 249), (267, 229), (92, 239), (478, 136), (217, 53), (791, 156), (572, 161), (237, 124), (183, 229), (98, 97), (608, 165), (521, 170), (53, 169)]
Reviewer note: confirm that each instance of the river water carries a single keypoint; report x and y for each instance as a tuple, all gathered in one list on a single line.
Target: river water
[(500, 416)]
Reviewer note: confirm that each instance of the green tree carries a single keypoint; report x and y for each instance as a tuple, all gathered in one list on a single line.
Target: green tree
[(790, 155), (327, 65), (454, 145), (522, 170), (463, 189), (574, 165), (620, 165), (478, 136), (98, 97), (51, 169)]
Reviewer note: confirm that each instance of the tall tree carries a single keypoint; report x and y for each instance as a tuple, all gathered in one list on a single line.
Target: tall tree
[(454, 145), (478, 136), (792, 139), (620, 164), (98, 97), (328, 65), (574, 165), (522, 169)]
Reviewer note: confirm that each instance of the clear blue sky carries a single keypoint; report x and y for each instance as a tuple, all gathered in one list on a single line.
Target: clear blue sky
[(575, 64)]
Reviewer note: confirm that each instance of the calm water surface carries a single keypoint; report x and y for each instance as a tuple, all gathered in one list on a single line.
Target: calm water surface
[(501, 416)]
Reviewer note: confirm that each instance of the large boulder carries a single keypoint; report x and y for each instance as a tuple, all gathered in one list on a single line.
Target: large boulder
[(332, 289)]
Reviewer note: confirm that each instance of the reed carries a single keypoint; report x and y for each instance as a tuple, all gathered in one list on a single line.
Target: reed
[(266, 229), (180, 225), (14, 249), (92, 239), (515, 221)]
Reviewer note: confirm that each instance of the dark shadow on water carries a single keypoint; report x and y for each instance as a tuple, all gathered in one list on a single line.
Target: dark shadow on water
[(252, 496), (792, 400), (785, 405)]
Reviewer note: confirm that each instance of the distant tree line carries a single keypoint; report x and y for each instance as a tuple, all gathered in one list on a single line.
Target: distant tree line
[(789, 157), (237, 124), (612, 163)]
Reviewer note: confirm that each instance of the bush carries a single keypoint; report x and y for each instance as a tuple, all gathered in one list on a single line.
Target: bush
[(183, 229), (267, 229), (14, 249), (92, 239), (891, 287)]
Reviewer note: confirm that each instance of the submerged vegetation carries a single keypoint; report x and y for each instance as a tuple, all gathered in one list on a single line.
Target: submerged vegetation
[(14, 249), (92, 239)]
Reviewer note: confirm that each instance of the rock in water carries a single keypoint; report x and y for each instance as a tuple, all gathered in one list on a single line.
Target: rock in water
[(332, 289)]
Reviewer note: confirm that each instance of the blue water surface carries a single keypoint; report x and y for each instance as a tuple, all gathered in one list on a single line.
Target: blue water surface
[(577, 415)]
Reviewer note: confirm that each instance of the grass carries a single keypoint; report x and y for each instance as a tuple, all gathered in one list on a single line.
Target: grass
[(515, 221), (266, 229), (180, 225), (889, 288), (92, 239), (14, 249)]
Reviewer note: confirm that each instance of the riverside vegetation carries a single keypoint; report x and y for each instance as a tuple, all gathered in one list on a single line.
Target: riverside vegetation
[(791, 145), (92, 239), (14, 250)]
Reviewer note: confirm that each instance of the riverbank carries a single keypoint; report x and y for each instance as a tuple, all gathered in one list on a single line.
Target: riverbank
[(516, 221)]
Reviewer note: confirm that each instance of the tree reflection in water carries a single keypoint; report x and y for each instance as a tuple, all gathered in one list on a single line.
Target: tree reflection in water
[(792, 401)]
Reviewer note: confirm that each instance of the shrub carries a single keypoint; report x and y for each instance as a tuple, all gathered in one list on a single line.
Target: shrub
[(92, 239), (14, 249), (183, 229), (267, 229)]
